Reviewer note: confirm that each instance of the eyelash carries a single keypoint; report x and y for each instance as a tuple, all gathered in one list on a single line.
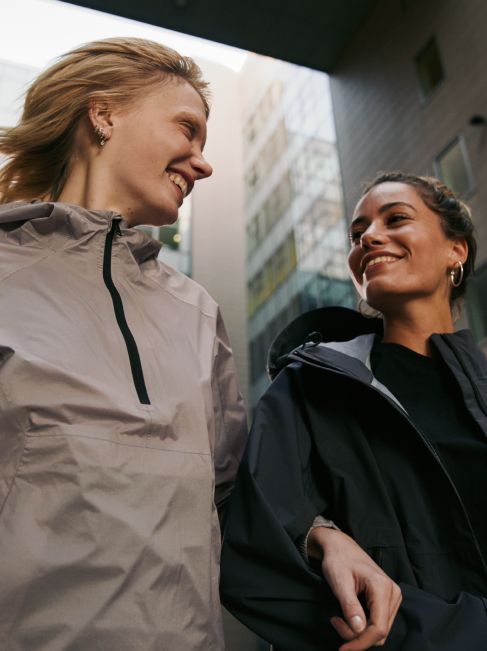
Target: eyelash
[(190, 128), (356, 235)]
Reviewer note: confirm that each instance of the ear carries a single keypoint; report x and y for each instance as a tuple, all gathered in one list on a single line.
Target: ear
[(458, 252), (100, 115)]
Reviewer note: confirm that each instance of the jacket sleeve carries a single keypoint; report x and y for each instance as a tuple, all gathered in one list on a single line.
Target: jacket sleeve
[(229, 417), (266, 583), (426, 623)]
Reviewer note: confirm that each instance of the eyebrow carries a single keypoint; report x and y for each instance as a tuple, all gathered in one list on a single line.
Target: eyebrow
[(382, 210)]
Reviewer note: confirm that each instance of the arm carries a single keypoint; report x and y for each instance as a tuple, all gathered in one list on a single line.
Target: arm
[(266, 583), (401, 618), (229, 418), (349, 571)]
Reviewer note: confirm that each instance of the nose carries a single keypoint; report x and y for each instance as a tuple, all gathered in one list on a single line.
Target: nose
[(202, 168), (374, 235)]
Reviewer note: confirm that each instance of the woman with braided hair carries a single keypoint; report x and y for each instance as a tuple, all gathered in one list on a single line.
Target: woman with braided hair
[(367, 457)]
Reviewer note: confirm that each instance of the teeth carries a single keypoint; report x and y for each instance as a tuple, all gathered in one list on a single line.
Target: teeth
[(384, 258), (180, 182)]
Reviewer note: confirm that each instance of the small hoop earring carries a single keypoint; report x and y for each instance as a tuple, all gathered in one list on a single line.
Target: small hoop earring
[(460, 277), (368, 315), (102, 134)]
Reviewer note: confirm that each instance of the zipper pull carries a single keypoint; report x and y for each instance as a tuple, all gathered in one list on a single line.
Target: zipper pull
[(116, 226)]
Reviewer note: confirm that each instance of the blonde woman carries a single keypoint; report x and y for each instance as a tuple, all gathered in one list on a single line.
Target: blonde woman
[(121, 422)]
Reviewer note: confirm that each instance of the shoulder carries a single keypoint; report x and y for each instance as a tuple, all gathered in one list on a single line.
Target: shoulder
[(182, 289), (18, 249)]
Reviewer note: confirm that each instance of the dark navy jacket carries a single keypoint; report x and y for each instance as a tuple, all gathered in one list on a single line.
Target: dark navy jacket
[(329, 439)]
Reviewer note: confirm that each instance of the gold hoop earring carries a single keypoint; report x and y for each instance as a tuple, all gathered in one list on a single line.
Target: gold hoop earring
[(460, 277), (102, 134), (373, 314)]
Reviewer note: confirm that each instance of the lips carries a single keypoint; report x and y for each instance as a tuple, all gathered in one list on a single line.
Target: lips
[(181, 179), (371, 260)]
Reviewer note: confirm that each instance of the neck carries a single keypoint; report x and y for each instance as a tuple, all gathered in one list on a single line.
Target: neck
[(87, 187), (413, 326)]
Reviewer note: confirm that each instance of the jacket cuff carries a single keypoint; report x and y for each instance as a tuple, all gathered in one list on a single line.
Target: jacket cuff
[(319, 521)]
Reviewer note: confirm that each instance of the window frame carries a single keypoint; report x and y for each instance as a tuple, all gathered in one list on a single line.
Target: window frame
[(468, 166), (424, 98)]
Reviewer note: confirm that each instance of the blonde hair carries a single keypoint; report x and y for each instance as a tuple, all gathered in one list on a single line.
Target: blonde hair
[(116, 70)]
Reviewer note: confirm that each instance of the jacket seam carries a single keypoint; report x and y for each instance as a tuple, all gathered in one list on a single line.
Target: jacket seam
[(48, 254), (178, 298), (99, 438), (23, 433), (224, 422), (14, 477)]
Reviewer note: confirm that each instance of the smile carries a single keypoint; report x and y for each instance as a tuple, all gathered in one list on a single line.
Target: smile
[(180, 182), (383, 258)]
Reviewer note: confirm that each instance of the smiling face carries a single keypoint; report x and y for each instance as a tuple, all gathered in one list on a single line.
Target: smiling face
[(399, 251), (154, 154)]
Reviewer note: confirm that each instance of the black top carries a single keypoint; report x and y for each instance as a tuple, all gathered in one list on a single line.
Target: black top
[(430, 394)]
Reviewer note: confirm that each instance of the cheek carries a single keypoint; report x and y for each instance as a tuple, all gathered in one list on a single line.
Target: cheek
[(354, 264)]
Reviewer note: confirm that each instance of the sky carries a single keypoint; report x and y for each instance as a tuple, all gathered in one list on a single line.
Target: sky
[(35, 32)]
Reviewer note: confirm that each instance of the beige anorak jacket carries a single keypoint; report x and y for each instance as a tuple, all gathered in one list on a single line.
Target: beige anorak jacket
[(121, 428)]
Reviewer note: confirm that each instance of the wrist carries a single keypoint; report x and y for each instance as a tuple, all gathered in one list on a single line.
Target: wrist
[(318, 539)]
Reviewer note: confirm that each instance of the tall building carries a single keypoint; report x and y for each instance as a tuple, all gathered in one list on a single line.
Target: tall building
[(296, 232)]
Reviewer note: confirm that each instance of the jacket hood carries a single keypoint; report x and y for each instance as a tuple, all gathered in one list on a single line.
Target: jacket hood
[(326, 324)]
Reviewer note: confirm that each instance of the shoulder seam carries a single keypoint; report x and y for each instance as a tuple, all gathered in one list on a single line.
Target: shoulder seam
[(197, 307)]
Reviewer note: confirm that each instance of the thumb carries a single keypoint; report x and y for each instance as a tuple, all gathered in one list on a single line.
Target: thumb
[(352, 610)]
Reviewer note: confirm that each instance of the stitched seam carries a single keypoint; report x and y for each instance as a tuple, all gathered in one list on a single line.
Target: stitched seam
[(14, 477), (178, 298), (223, 418), (23, 451), (99, 438), (27, 266)]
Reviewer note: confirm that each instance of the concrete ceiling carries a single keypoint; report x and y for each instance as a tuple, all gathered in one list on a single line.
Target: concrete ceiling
[(311, 33)]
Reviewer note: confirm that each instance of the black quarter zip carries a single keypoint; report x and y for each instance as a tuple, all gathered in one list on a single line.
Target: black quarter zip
[(132, 350)]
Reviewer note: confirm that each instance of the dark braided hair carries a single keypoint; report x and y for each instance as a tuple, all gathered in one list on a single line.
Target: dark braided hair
[(455, 216)]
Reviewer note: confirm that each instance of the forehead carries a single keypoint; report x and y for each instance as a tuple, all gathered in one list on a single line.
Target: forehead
[(175, 96), (386, 193)]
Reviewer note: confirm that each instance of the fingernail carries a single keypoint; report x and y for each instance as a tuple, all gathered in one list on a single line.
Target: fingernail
[(356, 624)]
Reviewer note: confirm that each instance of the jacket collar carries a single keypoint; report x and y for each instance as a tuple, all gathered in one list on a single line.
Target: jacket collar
[(352, 357), (54, 218)]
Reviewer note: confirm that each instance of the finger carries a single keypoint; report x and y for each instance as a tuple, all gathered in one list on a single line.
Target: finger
[(396, 604), (352, 610), (396, 600), (381, 602), (379, 596), (343, 629), (364, 641)]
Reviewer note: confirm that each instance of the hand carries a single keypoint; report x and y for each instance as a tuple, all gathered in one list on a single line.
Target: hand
[(349, 571)]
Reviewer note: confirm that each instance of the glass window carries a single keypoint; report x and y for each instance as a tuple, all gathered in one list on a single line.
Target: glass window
[(453, 168), (258, 119), (270, 212), (477, 304), (429, 67)]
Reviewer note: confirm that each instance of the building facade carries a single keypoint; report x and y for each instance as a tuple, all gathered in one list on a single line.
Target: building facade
[(296, 235), (410, 94)]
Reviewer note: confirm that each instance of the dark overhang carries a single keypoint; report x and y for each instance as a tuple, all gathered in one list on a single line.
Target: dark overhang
[(312, 33)]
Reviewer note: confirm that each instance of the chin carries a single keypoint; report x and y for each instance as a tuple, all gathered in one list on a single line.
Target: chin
[(156, 216)]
